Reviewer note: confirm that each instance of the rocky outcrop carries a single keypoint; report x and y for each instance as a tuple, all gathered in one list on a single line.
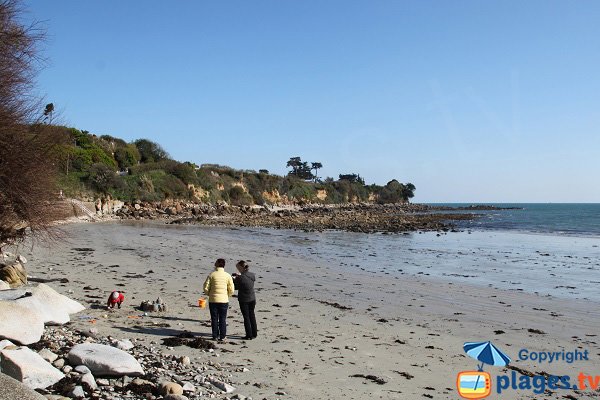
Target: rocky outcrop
[(359, 217), (103, 360), (4, 285), (29, 367)]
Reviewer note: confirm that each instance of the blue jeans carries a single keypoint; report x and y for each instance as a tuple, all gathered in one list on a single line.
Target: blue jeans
[(218, 319)]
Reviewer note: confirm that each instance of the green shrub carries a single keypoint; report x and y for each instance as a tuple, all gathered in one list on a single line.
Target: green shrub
[(102, 178), (238, 197)]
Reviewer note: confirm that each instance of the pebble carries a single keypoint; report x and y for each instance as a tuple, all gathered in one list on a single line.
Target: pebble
[(87, 380), (170, 388), (175, 397), (48, 355), (185, 360), (82, 369), (77, 393), (188, 387)]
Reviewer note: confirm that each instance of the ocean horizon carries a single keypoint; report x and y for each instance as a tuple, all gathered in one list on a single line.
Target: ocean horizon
[(579, 219)]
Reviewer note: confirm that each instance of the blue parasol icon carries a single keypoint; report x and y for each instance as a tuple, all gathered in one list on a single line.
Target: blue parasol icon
[(487, 353)]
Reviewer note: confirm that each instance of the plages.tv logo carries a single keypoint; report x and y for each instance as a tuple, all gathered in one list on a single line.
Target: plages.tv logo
[(478, 384)]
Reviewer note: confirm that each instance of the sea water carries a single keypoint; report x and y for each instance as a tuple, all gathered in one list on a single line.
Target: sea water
[(553, 218), (546, 249)]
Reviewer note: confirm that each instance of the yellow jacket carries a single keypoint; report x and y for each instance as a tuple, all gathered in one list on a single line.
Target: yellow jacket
[(218, 286)]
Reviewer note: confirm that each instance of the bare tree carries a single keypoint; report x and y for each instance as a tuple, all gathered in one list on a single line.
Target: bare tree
[(27, 184)]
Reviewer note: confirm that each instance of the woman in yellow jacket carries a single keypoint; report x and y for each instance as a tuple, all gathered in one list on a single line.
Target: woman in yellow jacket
[(219, 288)]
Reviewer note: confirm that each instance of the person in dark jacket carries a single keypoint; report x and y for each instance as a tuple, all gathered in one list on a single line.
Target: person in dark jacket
[(244, 284)]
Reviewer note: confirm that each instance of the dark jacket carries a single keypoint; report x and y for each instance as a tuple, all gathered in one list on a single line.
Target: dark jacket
[(244, 283)]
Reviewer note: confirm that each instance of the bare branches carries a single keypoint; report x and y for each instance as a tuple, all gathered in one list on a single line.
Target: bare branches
[(27, 185)]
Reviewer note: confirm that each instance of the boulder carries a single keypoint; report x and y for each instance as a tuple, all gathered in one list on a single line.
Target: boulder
[(28, 367), (54, 307), (4, 285), (20, 323), (13, 389), (24, 311), (103, 360), (15, 274)]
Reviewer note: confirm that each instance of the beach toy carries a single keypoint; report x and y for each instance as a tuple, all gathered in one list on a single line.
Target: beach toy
[(202, 303)]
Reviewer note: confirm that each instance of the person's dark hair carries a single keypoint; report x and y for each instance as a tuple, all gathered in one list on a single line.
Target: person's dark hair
[(220, 263), (243, 265)]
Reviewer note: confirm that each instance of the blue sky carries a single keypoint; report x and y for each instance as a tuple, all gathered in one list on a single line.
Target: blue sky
[(468, 100)]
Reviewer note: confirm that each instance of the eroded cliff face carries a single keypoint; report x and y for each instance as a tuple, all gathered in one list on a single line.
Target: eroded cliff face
[(198, 193), (321, 194), (274, 197)]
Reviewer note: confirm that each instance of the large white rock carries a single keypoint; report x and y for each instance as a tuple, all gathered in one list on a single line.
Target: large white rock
[(4, 285), (54, 307), (105, 360), (28, 367), (20, 323), (22, 318)]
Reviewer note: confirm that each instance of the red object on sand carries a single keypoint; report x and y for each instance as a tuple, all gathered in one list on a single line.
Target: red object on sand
[(119, 299)]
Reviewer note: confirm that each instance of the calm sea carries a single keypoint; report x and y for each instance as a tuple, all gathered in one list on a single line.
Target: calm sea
[(559, 218)]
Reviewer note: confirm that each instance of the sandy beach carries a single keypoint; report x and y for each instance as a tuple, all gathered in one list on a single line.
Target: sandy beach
[(325, 331)]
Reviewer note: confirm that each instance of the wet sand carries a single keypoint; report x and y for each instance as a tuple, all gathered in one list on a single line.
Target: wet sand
[(324, 331)]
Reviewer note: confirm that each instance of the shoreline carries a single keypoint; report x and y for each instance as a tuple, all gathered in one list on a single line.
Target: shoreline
[(397, 327)]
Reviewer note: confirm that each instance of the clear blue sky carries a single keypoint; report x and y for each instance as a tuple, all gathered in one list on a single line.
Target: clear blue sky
[(468, 100)]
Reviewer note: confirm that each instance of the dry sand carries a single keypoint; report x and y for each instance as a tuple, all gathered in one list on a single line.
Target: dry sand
[(408, 330)]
